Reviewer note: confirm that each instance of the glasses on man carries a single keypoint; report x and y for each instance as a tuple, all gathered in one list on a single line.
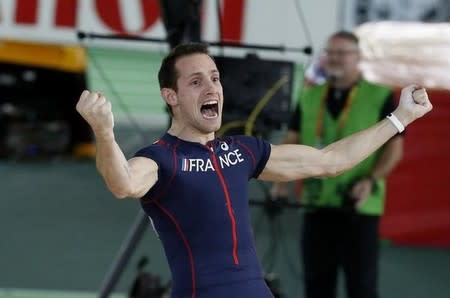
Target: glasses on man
[(341, 52)]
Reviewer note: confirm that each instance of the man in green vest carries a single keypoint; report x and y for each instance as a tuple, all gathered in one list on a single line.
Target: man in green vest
[(341, 218)]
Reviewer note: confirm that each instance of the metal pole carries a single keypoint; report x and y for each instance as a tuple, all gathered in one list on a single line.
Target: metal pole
[(128, 245)]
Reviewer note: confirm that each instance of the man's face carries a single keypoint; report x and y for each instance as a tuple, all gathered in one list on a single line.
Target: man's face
[(342, 58), (200, 94)]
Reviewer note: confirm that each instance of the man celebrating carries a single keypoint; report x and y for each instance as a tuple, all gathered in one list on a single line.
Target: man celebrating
[(341, 218), (194, 186)]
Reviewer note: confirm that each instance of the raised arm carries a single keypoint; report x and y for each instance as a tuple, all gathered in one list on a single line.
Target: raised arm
[(292, 162), (124, 178)]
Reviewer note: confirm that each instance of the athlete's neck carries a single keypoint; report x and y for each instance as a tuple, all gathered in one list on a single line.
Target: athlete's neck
[(188, 134)]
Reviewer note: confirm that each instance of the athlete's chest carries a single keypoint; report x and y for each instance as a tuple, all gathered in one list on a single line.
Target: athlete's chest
[(212, 159)]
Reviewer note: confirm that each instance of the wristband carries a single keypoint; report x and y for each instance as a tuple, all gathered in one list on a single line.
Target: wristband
[(394, 120)]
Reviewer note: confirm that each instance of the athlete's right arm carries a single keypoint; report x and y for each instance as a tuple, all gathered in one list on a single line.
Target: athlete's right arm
[(124, 178)]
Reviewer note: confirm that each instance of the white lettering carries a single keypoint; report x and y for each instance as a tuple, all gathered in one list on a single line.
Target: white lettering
[(204, 165), (224, 161), (238, 155), (230, 158), (199, 165), (193, 164), (209, 165)]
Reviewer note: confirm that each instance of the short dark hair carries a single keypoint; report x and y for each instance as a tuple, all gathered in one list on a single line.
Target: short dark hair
[(167, 75), (346, 35)]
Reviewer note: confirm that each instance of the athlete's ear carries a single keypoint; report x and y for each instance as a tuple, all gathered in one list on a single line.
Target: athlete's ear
[(170, 96)]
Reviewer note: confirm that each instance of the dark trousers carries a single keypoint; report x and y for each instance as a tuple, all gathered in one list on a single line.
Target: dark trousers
[(333, 240)]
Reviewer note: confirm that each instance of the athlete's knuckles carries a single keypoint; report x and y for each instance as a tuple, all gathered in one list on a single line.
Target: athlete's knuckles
[(101, 100), (92, 97)]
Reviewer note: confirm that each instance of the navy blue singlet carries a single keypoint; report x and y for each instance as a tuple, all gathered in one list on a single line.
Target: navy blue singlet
[(199, 208)]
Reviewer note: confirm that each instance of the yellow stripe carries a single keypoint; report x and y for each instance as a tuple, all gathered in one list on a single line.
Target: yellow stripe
[(65, 58)]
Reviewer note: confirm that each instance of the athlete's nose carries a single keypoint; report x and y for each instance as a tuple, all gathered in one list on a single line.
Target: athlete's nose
[(212, 87)]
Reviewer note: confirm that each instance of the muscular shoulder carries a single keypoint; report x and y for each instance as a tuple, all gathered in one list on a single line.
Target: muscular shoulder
[(257, 148), (255, 144), (159, 152)]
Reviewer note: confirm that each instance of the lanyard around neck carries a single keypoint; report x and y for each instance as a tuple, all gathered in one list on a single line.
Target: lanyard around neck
[(343, 115)]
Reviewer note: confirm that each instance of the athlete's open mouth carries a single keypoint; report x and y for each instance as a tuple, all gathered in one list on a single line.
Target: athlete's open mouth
[(210, 109)]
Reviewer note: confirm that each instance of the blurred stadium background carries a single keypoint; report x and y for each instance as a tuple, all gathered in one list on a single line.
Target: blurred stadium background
[(61, 229)]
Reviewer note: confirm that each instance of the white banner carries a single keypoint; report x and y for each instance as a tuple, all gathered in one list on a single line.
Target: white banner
[(364, 11), (288, 23), (399, 53), (57, 21)]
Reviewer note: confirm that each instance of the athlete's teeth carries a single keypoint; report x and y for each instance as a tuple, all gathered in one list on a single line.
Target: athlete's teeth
[(212, 102)]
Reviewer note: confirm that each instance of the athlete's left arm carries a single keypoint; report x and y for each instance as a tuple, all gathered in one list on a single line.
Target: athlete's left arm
[(292, 162)]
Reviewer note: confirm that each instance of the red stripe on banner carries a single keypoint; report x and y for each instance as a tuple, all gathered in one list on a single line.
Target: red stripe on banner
[(109, 12), (151, 13), (232, 19), (26, 11), (66, 11)]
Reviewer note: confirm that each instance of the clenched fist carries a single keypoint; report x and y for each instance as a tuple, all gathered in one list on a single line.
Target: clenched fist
[(96, 110), (414, 103)]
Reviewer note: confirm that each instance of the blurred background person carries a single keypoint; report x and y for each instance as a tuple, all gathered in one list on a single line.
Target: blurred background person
[(341, 218)]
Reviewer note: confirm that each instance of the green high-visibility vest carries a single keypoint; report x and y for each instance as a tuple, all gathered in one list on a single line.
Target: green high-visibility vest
[(367, 101)]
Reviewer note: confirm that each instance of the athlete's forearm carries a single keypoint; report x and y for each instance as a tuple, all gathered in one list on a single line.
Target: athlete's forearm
[(348, 152), (112, 165)]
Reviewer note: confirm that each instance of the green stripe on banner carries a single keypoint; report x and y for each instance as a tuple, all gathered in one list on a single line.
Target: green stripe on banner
[(20, 293), (128, 78)]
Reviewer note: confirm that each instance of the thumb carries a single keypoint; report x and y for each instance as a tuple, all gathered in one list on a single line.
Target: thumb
[(84, 94), (420, 96), (82, 99)]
